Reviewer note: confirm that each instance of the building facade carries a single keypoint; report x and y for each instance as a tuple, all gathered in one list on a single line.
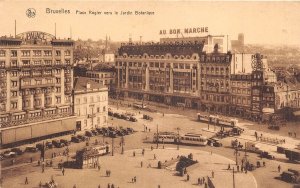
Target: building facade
[(215, 81), (163, 72), (90, 104), (36, 71)]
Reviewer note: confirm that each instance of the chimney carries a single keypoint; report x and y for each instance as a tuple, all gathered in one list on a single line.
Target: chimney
[(88, 85)]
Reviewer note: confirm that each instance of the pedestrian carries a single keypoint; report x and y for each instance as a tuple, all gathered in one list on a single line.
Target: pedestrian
[(212, 174), (205, 185), (31, 159), (279, 168), (151, 148), (149, 130), (74, 186), (187, 177), (98, 167), (26, 180), (199, 181), (228, 167), (112, 186), (99, 186), (146, 128), (108, 185), (43, 168), (264, 164), (39, 162), (134, 179), (143, 152), (203, 179), (134, 153), (238, 168), (242, 168), (154, 157), (63, 171), (261, 135), (141, 164)]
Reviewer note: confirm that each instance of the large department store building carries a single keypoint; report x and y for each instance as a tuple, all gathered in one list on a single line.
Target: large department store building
[(36, 82)]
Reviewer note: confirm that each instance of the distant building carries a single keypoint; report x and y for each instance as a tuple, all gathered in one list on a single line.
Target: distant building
[(105, 75), (209, 42), (90, 104), (237, 46), (36, 76)]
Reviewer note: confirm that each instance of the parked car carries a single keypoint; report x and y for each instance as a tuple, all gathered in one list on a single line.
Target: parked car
[(120, 133), (112, 134), (58, 144), (88, 133), (18, 151), (125, 131), (147, 117), (214, 142), (117, 115), (130, 130), (65, 142), (39, 146), (94, 132), (99, 130), (9, 154), (49, 145), (1, 156), (265, 154), (110, 113), (291, 176), (31, 149), (133, 119), (111, 129), (75, 139), (81, 137)]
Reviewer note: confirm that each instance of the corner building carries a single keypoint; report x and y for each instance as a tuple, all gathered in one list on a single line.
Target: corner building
[(36, 81)]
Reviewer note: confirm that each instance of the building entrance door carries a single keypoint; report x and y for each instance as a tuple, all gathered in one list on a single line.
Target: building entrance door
[(78, 125)]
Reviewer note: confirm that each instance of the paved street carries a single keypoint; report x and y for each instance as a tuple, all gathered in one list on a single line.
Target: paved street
[(264, 177)]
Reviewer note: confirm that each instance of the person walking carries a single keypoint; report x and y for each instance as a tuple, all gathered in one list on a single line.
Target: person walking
[(134, 179), (112, 186), (108, 185), (99, 167), (63, 171), (26, 180), (199, 181), (228, 167), (279, 168), (187, 177), (212, 174)]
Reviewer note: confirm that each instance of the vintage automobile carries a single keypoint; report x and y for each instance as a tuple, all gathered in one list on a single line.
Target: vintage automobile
[(265, 154), (58, 144), (31, 149), (18, 151), (88, 134), (75, 139), (9, 154), (214, 142), (133, 119)]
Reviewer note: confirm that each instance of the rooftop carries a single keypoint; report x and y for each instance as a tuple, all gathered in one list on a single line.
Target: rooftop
[(161, 48), (80, 85)]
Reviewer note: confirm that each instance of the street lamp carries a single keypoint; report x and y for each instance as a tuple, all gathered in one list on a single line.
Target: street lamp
[(122, 142), (177, 137), (156, 136)]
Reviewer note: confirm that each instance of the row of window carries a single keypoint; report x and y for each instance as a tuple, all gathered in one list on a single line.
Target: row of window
[(84, 100), (89, 110), (27, 53)]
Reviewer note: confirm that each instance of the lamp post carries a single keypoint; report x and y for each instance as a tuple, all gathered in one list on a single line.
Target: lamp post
[(122, 142), (156, 136), (233, 177), (112, 146), (177, 137)]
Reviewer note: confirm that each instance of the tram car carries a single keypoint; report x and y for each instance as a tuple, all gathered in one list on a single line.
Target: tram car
[(218, 120), (165, 137), (193, 139)]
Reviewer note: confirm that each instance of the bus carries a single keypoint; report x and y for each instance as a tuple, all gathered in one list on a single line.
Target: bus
[(193, 138), (165, 137)]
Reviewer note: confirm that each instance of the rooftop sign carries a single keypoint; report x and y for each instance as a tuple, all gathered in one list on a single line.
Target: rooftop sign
[(36, 37), (184, 31)]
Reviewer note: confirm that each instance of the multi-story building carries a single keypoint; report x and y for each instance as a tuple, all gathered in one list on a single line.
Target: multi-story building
[(215, 81), (241, 85), (36, 71), (160, 72), (90, 103), (103, 74)]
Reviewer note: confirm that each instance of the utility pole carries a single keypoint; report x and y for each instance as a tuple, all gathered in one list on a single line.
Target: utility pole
[(156, 136), (122, 142), (236, 156), (178, 137), (112, 146), (233, 177)]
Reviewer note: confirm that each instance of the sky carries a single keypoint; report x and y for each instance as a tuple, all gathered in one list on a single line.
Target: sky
[(261, 22)]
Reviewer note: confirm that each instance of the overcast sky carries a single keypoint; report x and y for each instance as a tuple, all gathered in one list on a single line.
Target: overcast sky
[(261, 22)]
